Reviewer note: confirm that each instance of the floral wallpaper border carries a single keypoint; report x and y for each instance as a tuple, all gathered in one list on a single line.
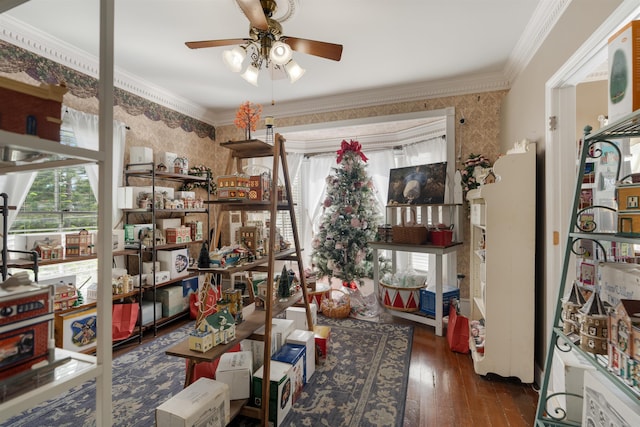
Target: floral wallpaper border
[(14, 59)]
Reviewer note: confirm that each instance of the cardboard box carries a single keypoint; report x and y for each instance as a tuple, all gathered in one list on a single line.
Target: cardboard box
[(322, 335), (175, 261), (280, 330), (624, 71), (203, 403), (235, 370), (185, 194), (148, 267), (294, 355), (279, 392), (306, 338), (164, 223), (140, 155), (171, 299), (147, 311), (125, 198), (77, 330), (166, 159), (161, 277), (299, 316)]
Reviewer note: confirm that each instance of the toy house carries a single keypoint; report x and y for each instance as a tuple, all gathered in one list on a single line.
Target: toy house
[(593, 320), (78, 244), (33, 110), (259, 187), (622, 320), (628, 197), (224, 326), (570, 309)]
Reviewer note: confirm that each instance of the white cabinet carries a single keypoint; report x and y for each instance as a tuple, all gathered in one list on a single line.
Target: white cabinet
[(502, 270)]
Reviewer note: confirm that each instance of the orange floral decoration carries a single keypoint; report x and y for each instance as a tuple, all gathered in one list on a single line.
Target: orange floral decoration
[(247, 117)]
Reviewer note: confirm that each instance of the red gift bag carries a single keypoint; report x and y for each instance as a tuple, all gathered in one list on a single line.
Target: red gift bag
[(210, 303), (124, 321), (457, 331)]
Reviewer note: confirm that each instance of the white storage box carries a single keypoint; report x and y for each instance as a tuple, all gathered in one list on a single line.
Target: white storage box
[(280, 391), (235, 370), (167, 159), (306, 338), (299, 316), (171, 299), (141, 155), (125, 199), (185, 194), (148, 267), (175, 261), (280, 330), (164, 223), (161, 277), (203, 403), (147, 311)]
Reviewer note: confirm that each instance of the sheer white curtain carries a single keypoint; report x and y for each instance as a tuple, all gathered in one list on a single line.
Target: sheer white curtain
[(85, 130), (420, 153), (16, 186)]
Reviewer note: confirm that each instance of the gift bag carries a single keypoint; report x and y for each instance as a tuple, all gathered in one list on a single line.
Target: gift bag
[(124, 321), (457, 331), (210, 303)]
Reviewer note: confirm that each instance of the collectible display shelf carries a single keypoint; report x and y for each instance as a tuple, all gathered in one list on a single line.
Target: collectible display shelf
[(148, 173), (550, 412)]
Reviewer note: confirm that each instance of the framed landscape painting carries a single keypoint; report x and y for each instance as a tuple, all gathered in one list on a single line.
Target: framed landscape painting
[(417, 185)]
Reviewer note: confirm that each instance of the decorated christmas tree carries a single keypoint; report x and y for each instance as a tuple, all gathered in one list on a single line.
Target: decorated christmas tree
[(350, 220)]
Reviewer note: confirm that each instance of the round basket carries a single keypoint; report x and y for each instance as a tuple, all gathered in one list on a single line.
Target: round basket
[(337, 308)]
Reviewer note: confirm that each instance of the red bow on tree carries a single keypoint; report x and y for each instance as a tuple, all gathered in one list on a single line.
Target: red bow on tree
[(350, 146)]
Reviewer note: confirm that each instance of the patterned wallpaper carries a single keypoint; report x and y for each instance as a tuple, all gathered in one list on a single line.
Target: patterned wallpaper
[(163, 130)]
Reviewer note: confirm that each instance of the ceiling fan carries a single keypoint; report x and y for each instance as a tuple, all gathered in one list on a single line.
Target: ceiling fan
[(267, 45)]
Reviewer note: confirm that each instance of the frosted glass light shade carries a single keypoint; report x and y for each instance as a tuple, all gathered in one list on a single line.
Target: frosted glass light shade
[(251, 75), (280, 53), (294, 71), (233, 58)]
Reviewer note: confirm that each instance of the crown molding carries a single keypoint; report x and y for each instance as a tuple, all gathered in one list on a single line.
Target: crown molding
[(29, 38), (382, 96), (544, 18)]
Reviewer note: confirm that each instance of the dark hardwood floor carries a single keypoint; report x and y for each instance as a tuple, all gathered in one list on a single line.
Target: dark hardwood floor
[(443, 388)]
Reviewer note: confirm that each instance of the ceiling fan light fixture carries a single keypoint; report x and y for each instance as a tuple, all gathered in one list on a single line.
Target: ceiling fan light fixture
[(294, 71), (251, 74), (280, 53), (233, 58)]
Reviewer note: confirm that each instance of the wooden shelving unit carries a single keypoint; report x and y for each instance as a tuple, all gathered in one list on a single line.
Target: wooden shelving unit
[(243, 150)]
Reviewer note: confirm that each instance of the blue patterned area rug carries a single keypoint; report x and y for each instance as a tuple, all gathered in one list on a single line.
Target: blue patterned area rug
[(363, 382)]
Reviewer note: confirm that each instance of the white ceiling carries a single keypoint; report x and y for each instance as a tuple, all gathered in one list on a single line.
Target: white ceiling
[(393, 50)]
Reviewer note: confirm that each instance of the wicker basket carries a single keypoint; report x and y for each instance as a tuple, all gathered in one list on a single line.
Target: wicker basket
[(410, 232), (337, 308)]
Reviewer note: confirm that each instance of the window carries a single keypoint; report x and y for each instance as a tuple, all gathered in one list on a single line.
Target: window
[(59, 201)]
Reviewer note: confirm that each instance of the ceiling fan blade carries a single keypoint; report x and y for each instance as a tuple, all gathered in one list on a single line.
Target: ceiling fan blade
[(214, 43), (254, 13), (316, 48)]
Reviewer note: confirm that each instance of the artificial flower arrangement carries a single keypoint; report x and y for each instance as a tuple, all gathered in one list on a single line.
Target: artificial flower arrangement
[(247, 117), (200, 170), (472, 169)]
